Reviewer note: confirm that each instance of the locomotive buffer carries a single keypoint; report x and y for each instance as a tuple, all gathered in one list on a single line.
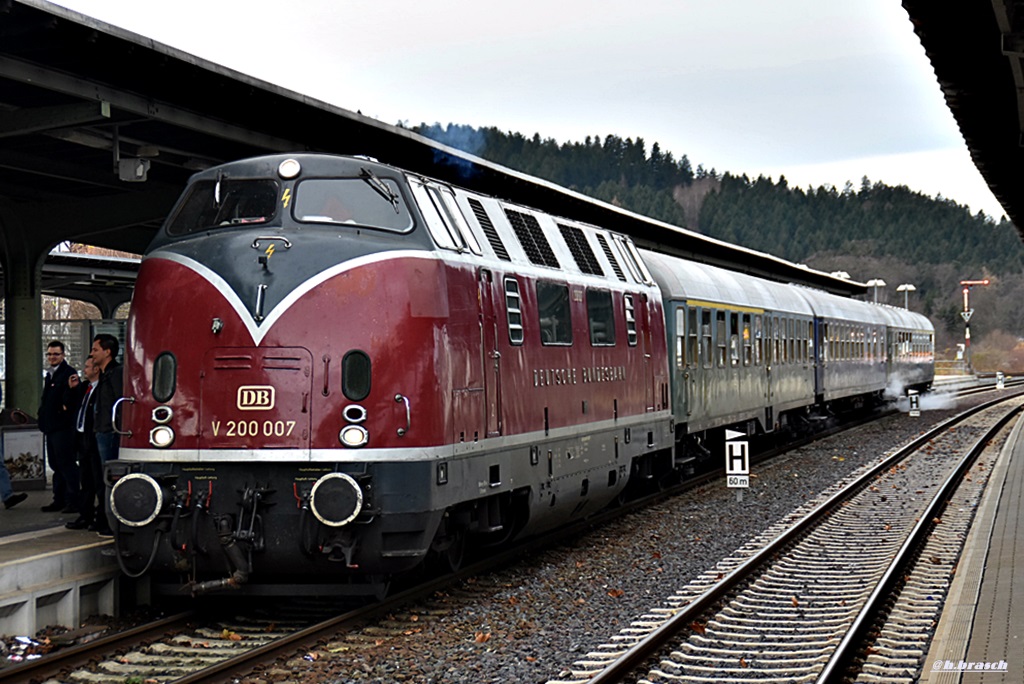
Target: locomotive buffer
[(737, 461)]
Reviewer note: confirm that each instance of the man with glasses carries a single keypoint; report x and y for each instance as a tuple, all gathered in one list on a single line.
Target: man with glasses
[(57, 422)]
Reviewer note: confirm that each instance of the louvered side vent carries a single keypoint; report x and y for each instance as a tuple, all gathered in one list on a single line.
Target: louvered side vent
[(532, 238), (489, 230), (611, 258), (580, 249)]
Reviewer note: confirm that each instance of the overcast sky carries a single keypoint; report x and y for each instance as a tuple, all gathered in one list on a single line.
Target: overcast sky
[(817, 90)]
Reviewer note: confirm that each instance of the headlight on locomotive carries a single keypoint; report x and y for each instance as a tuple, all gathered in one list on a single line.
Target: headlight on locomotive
[(162, 436), (136, 500), (336, 499), (354, 436)]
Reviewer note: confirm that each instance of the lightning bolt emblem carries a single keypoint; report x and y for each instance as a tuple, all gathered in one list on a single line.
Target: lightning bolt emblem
[(286, 197), (269, 251)]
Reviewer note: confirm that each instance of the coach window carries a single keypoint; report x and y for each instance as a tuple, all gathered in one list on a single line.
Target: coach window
[(705, 338), (514, 311), (554, 313), (601, 317), (734, 339), (692, 336), (758, 340), (721, 337), (748, 342), (627, 303), (810, 341), (680, 338)]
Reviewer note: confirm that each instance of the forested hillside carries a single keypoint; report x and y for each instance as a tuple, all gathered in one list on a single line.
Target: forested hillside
[(870, 230)]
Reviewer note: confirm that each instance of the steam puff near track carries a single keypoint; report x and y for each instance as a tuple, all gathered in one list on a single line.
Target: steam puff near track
[(933, 401)]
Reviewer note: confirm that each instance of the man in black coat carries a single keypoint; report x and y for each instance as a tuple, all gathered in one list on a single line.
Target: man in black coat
[(57, 422), (82, 394), (109, 389)]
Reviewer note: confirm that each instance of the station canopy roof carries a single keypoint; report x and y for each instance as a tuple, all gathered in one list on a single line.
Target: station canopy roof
[(977, 52), (86, 105)]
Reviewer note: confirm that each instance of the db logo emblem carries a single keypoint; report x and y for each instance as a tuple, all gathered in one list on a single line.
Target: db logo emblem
[(255, 398)]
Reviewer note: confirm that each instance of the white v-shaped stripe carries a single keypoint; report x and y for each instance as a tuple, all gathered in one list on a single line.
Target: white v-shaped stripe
[(259, 330)]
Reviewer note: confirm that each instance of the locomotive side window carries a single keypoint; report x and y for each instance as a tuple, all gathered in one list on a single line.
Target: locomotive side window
[(351, 201), (601, 316), (355, 375), (165, 376), (555, 313), (514, 311), (627, 301), (225, 202)]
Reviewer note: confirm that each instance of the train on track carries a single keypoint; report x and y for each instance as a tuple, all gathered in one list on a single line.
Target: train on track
[(337, 370)]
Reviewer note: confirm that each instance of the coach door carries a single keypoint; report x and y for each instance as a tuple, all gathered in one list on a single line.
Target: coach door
[(489, 292), (255, 398), (644, 320)]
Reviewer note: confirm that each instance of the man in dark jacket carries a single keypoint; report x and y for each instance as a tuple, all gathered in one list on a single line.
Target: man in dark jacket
[(109, 389), (57, 422), (82, 394)]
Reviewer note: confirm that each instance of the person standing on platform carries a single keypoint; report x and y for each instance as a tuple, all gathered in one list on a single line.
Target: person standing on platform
[(7, 494), (82, 396), (57, 422), (109, 389)]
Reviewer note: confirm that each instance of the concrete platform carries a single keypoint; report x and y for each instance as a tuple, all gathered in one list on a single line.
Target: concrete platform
[(50, 575), (982, 623)]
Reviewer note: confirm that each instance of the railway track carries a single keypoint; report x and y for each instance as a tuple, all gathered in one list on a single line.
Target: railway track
[(806, 601), (191, 648)]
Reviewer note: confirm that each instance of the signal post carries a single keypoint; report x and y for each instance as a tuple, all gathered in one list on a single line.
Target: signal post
[(966, 315)]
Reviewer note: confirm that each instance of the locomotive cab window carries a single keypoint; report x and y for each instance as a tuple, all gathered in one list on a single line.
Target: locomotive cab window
[(225, 202), (445, 220), (601, 317), (554, 313), (352, 201)]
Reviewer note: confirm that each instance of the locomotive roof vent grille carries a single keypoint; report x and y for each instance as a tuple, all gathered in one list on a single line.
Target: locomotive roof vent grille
[(489, 230), (580, 249), (531, 237), (611, 257)]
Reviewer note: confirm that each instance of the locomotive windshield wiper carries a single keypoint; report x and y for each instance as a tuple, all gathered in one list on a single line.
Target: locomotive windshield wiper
[(380, 186)]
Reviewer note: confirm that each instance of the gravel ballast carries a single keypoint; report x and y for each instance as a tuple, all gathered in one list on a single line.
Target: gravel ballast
[(531, 622)]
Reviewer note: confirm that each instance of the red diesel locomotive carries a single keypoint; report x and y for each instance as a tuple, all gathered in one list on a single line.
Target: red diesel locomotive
[(336, 369)]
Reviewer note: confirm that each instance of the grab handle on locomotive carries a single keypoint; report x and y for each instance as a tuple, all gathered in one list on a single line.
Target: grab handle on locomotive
[(408, 414), (256, 243), (113, 416)]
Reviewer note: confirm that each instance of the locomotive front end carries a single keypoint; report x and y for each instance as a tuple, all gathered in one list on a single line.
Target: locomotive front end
[(283, 339)]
